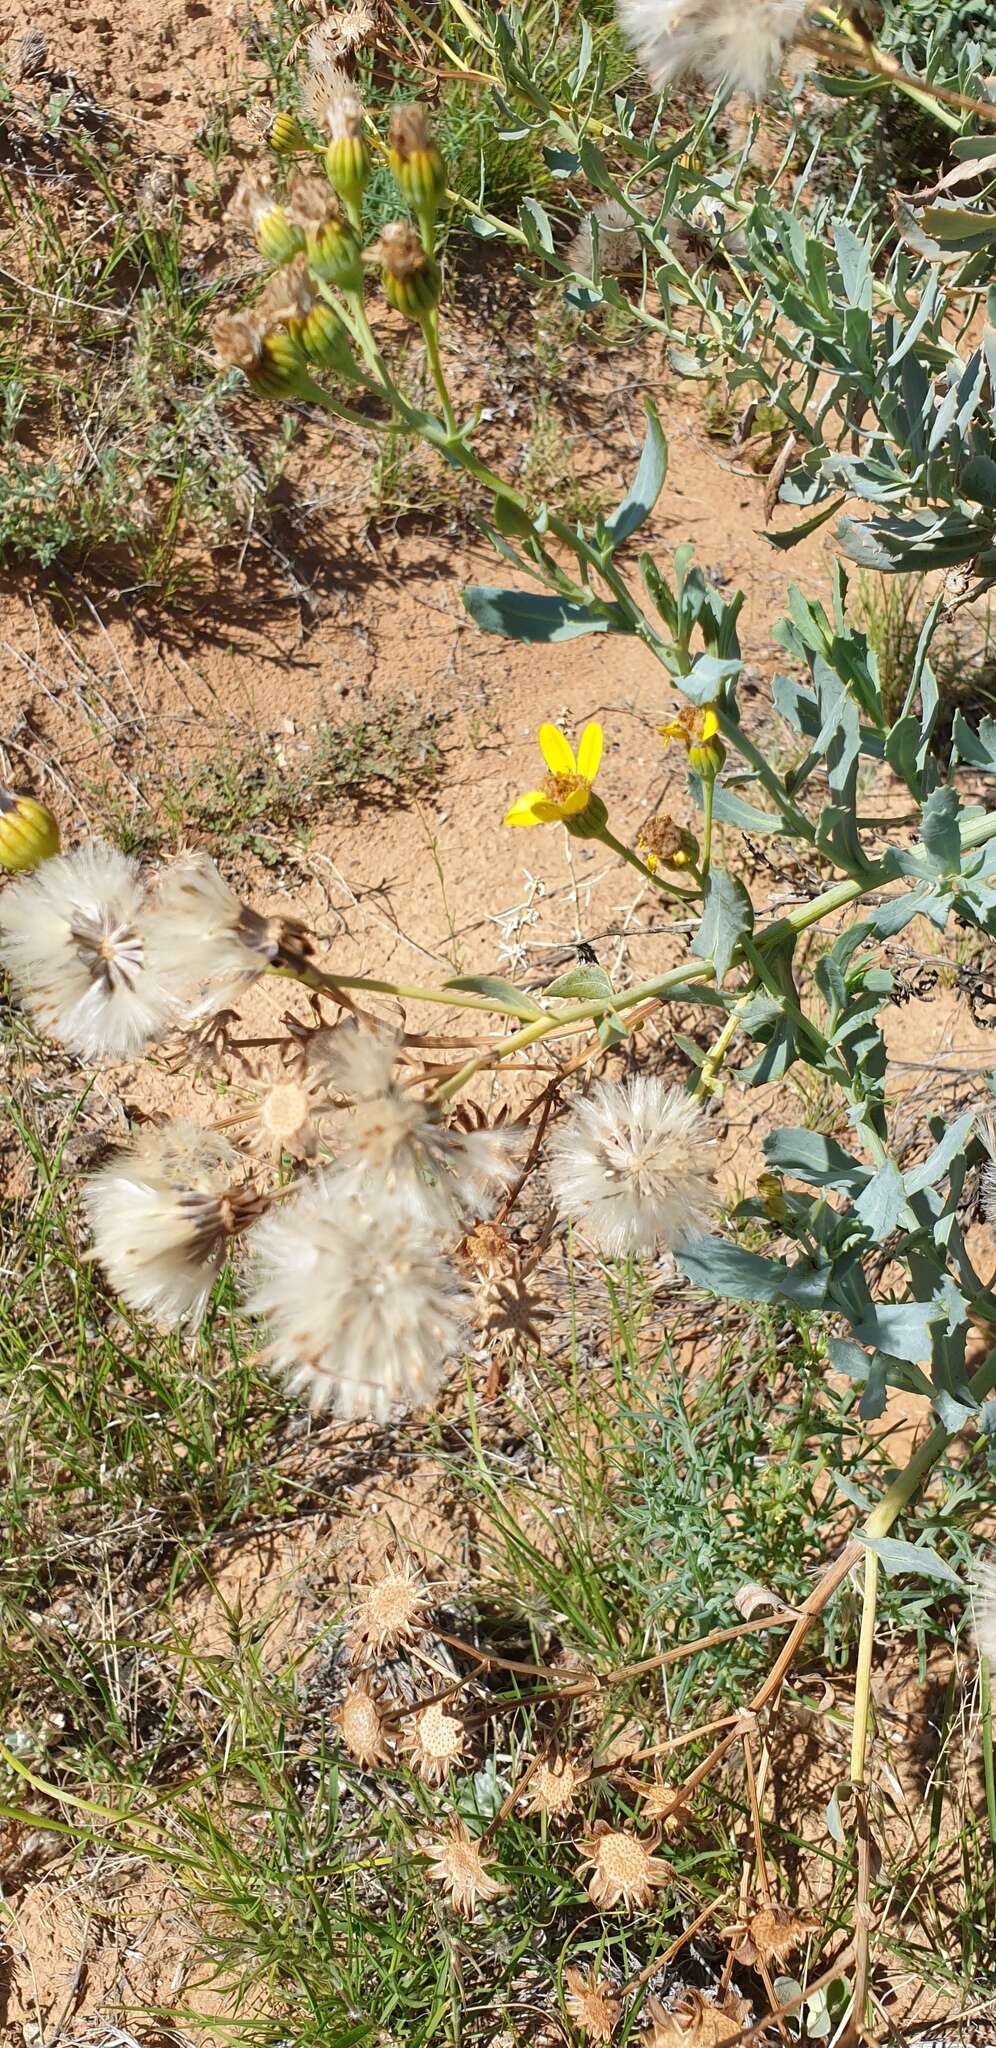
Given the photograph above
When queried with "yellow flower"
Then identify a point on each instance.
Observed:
(694, 724)
(697, 726)
(567, 788)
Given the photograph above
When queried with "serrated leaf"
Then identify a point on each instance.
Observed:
(882, 1205)
(586, 984)
(728, 917)
(505, 996)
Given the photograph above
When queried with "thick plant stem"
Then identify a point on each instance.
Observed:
(906, 1484)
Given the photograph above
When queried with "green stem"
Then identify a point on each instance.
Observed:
(577, 1013)
(430, 335)
(879, 1522)
(607, 838)
(708, 797)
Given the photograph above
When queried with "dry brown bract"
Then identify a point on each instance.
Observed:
(359, 1723)
(436, 1742)
(593, 2004)
(773, 1934)
(556, 1782)
(624, 1871)
(661, 1803)
(697, 2022)
(457, 1864)
(392, 1610)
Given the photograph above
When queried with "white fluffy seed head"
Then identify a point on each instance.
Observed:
(741, 44)
(205, 945)
(363, 1310)
(160, 1221)
(632, 1165)
(394, 1146)
(73, 937)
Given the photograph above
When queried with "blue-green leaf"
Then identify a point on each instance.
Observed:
(724, 1269)
(816, 1159)
(647, 485)
(506, 997)
(583, 984)
(728, 917)
(521, 615)
(910, 1560)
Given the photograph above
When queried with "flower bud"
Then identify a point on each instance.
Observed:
(706, 758)
(287, 136)
(282, 366)
(324, 339)
(334, 256)
(28, 833)
(415, 161)
(256, 208)
(347, 167)
(410, 278)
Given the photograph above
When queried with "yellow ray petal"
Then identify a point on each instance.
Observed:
(569, 806)
(557, 752)
(590, 751)
(710, 722)
(531, 809)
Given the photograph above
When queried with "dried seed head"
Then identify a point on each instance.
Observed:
(311, 203)
(624, 1870)
(362, 1729)
(662, 841)
(399, 251)
(284, 1123)
(593, 2003)
(695, 2022)
(161, 1215)
(489, 1251)
(713, 40)
(631, 1163)
(74, 937)
(663, 1805)
(774, 1933)
(238, 342)
(556, 1782)
(436, 1743)
(458, 1865)
(392, 1610)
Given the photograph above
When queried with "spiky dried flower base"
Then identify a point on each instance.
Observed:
(392, 1611)
(361, 1726)
(696, 2021)
(435, 1742)
(623, 1870)
(457, 1864)
(555, 1783)
(593, 2003)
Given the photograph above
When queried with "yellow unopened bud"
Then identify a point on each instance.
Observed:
(281, 367)
(347, 167)
(334, 256)
(28, 833)
(323, 338)
(411, 278)
(706, 758)
(287, 136)
(416, 164)
(278, 238)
